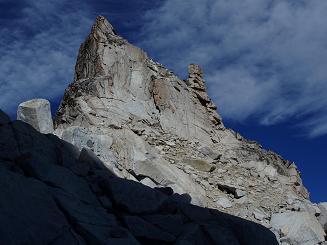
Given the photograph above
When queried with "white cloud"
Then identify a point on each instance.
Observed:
(264, 59)
(38, 51)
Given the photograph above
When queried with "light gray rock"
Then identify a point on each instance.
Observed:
(270, 171)
(239, 193)
(200, 164)
(99, 143)
(242, 200)
(148, 182)
(37, 113)
(307, 206)
(224, 202)
(210, 153)
(134, 155)
(301, 227)
(160, 171)
(121, 80)
(323, 215)
(259, 214)
(262, 168)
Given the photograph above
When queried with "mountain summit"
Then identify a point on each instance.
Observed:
(155, 125)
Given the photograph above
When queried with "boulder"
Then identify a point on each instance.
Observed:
(199, 164)
(239, 193)
(259, 214)
(36, 112)
(224, 202)
(298, 228)
(148, 182)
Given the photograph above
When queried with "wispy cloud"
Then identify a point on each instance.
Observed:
(38, 48)
(264, 59)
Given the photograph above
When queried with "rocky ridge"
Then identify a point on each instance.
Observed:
(149, 126)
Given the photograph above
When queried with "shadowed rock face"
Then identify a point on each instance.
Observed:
(3, 118)
(51, 193)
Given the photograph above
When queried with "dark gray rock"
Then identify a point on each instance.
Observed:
(147, 231)
(4, 118)
(87, 156)
(126, 193)
(28, 212)
(193, 234)
(171, 223)
(82, 212)
(228, 229)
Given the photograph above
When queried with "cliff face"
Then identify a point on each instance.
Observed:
(116, 83)
(149, 126)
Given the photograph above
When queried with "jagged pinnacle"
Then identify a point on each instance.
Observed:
(89, 61)
(102, 26)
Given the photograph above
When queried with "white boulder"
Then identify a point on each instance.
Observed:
(302, 228)
(37, 113)
(224, 202)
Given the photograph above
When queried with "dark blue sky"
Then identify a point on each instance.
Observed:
(265, 62)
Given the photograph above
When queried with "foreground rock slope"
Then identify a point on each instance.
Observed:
(52, 193)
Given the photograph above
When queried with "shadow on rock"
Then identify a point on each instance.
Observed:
(53, 194)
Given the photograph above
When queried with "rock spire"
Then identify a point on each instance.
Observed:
(149, 126)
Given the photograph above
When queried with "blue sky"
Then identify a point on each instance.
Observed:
(265, 61)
